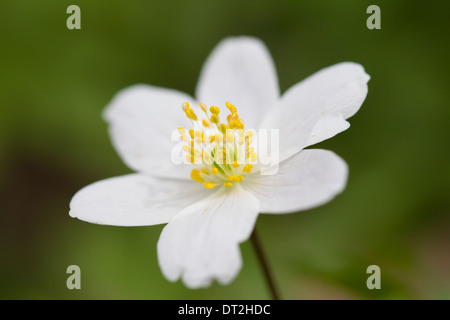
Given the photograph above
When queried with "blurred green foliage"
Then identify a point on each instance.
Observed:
(55, 82)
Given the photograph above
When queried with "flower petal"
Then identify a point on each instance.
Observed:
(308, 179)
(202, 242)
(240, 70)
(134, 200)
(315, 109)
(142, 120)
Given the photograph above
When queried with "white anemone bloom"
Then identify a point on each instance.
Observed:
(211, 203)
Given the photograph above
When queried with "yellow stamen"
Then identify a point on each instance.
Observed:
(214, 118)
(209, 185)
(205, 123)
(204, 108)
(214, 110)
(195, 175)
(214, 171)
(247, 168)
(234, 178)
(191, 114)
(228, 184)
(231, 107)
(223, 128)
(235, 164)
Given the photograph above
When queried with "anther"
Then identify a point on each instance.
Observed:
(209, 184)
(214, 110)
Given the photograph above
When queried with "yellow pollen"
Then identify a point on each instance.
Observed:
(185, 106)
(205, 123)
(214, 118)
(209, 184)
(231, 107)
(214, 171)
(234, 178)
(214, 110)
(228, 184)
(235, 164)
(223, 128)
(191, 114)
(247, 168)
(195, 175)
(204, 108)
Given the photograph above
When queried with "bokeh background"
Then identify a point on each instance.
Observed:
(55, 82)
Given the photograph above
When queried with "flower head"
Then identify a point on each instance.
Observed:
(211, 200)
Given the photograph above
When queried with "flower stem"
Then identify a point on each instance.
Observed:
(264, 264)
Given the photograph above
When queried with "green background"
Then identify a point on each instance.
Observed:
(55, 82)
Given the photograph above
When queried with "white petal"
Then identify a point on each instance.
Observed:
(308, 179)
(134, 200)
(240, 70)
(202, 242)
(316, 108)
(142, 119)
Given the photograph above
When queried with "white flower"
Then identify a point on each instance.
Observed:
(211, 208)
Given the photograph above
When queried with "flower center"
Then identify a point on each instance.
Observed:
(221, 153)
